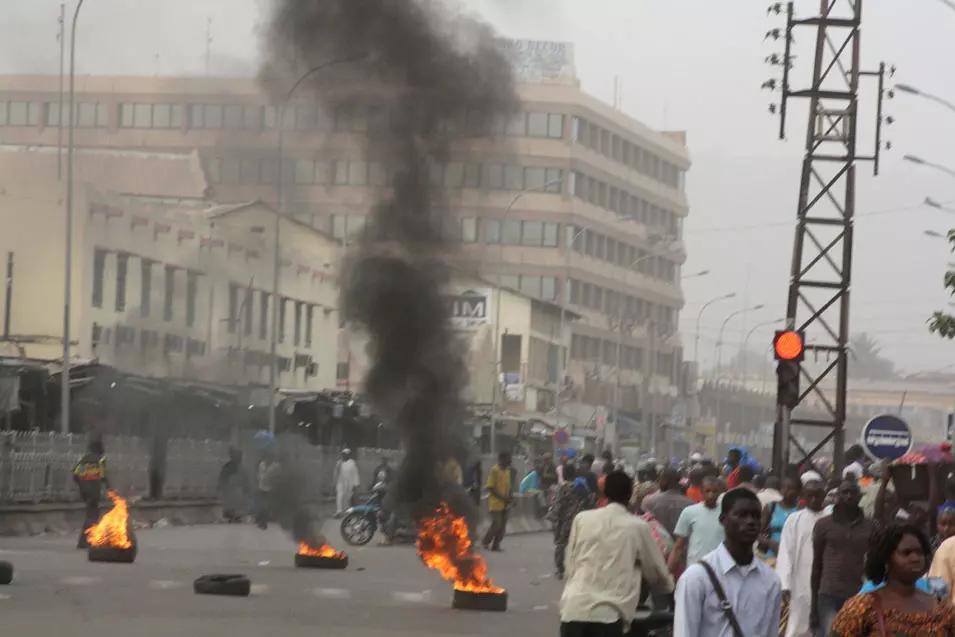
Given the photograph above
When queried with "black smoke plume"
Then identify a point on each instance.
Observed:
(444, 78)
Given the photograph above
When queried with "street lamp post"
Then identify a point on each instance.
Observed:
(564, 293)
(905, 88)
(746, 342)
(699, 318)
(497, 395)
(718, 354)
(918, 160)
(68, 271)
(276, 244)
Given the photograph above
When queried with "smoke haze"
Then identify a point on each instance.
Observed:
(436, 70)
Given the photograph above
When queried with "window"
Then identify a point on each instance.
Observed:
(85, 115)
(341, 173)
(534, 177)
(233, 307)
(555, 125)
(469, 230)
(454, 175)
(263, 315)
(537, 124)
(512, 233)
(282, 303)
(309, 320)
(548, 288)
(233, 116)
(206, 115)
(472, 175)
(551, 230)
(492, 231)
(99, 267)
(357, 173)
(145, 286)
(304, 171)
(248, 311)
(122, 270)
(251, 117)
(517, 126)
(170, 293)
(20, 114)
(513, 177)
(494, 176)
(192, 284)
(341, 371)
(338, 226)
(531, 286)
(533, 234)
(299, 307)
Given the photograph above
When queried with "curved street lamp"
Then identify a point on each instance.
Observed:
(746, 341)
(498, 364)
(277, 258)
(918, 160)
(718, 355)
(911, 90)
(699, 317)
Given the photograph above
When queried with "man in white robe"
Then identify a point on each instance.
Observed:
(346, 481)
(794, 563)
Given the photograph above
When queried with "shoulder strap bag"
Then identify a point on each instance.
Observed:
(724, 603)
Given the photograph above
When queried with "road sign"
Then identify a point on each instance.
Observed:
(950, 429)
(886, 437)
(561, 437)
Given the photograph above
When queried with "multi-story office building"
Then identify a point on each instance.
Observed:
(572, 202)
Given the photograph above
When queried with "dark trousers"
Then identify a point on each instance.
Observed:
(829, 607)
(90, 519)
(591, 629)
(495, 532)
(263, 509)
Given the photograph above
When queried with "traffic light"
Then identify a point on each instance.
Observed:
(789, 348)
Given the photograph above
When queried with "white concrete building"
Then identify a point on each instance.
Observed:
(164, 286)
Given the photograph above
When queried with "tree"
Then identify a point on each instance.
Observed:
(866, 360)
(942, 323)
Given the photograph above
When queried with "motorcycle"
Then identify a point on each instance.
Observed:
(362, 521)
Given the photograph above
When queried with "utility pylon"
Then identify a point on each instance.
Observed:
(821, 274)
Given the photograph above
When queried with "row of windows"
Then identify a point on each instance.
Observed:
(613, 303)
(605, 248)
(148, 340)
(242, 309)
(524, 233)
(538, 287)
(254, 117)
(587, 348)
(615, 147)
(623, 203)
(256, 171)
(145, 286)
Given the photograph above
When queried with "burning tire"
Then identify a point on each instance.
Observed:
(231, 585)
(112, 554)
(314, 561)
(6, 573)
(464, 600)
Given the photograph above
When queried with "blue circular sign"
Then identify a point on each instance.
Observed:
(886, 437)
(561, 437)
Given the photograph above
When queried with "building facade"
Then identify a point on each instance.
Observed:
(168, 287)
(571, 202)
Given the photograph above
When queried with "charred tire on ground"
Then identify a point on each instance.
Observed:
(6, 573)
(314, 561)
(464, 600)
(111, 554)
(230, 585)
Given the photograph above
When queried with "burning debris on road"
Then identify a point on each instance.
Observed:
(111, 539)
(444, 544)
(322, 557)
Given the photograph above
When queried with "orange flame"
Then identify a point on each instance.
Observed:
(323, 551)
(112, 529)
(444, 544)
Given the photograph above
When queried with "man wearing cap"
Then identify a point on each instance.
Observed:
(346, 482)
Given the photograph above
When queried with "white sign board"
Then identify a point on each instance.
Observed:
(537, 61)
(470, 308)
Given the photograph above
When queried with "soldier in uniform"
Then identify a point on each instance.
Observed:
(90, 476)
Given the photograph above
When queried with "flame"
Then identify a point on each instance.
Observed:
(323, 551)
(444, 544)
(112, 529)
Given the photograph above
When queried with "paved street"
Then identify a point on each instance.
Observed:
(385, 591)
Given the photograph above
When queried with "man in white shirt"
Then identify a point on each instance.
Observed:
(750, 587)
(794, 564)
(609, 553)
(699, 529)
(346, 479)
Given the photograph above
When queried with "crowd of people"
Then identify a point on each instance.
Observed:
(734, 551)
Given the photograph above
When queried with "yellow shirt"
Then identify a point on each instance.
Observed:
(498, 481)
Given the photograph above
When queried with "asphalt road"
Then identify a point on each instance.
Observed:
(386, 591)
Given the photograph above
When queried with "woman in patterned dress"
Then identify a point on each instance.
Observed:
(899, 557)
(572, 497)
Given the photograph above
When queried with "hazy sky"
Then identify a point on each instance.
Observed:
(683, 64)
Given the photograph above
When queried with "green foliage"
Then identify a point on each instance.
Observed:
(942, 323)
(866, 360)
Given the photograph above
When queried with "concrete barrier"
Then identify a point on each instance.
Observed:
(65, 518)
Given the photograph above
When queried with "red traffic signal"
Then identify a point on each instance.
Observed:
(789, 345)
